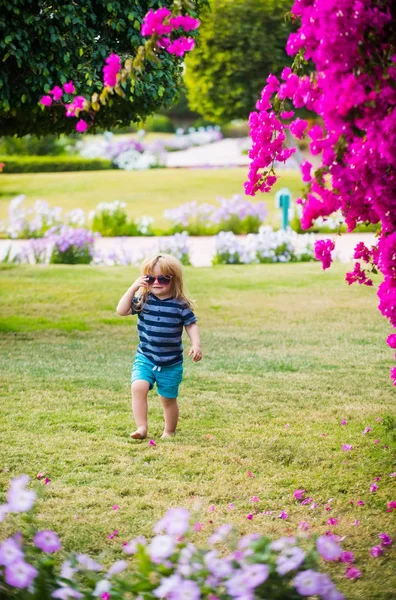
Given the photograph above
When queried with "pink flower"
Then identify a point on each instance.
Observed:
(56, 92)
(386, 540)
(198, 526)
(392, 474)
(305, 168)
(347, 557)
(47, 480)
(298, 494)
(40, 475)
(352, 573)
(376, 441)
(185, 22)
(332, 521)
(267, 512)
(347, 447)
(391, 506)
(360, 503)
(391, 341)
(231, 506)
(69, 88)
(111, 70)
(115, 507)
(306, 501)
(344, 422)
(153, 22)
(298, 127)
(356, 523)
(180, 46)
(254, 499)
(152, 443)
(81, 126)
(303, 525)
(249, 516)
(212, 508)
(323, 250)
(283, 515)
(46, 101)
(376, 551)
(250, 474)
(286, 426)
(379, 419)
(373, 488)
(47, 541)
(113, 534)
(366, 430)
(105, 596)
(287, 114)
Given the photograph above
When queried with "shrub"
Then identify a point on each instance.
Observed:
(47, 164)
(70, 246)
(32, 145)
(158, 124)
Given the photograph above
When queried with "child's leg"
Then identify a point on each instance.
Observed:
(140, 389)
(171, 415)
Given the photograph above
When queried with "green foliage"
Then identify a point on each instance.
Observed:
(74, 255)
(37, 146)
(47, 164)
(158, 124)
(240, 43)
(45, 44)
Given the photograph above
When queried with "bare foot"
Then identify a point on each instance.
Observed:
(139, 434)
(168, 434)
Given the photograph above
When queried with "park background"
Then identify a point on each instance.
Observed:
(290, 351)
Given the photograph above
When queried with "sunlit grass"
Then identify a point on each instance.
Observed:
(283, 345)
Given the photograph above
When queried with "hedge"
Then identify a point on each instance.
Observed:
(45, 164)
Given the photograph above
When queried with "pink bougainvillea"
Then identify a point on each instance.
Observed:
(353, 89)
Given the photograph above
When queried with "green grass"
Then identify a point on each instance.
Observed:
(145, 193)
(283, 344)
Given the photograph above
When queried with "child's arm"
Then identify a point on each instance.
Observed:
(124, 306)
(193, 334)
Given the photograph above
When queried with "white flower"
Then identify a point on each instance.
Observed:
(102, 587)
(162, 546)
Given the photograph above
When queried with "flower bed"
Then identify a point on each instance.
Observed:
(268, 246)
(170, 565)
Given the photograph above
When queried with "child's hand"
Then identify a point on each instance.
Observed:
(195, 353)
(140, 282)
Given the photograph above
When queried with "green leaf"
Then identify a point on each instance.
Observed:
(8, 39)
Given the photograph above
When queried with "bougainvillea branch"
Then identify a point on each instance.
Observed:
(163, 28)
(351, 46)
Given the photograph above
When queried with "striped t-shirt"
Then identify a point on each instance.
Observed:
(160, 328)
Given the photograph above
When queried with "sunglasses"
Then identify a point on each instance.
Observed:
(162, 279)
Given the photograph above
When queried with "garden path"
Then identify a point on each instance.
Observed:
(224, 153)
(202, 249)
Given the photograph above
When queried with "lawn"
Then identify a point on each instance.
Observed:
(289, 351)
(145, 192)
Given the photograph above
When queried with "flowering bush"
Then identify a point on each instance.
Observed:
(352, 89)
(70, 246)
(176, 245)
(35, 221)
(169, 566)
(237, 215)
(267, 246)
(129, 155)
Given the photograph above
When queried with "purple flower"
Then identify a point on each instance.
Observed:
(347, 447)
(20, 499)
(283, 515)
(303, 525)
(186, 590)
(366, 430)
(386, 540)
(347, 557)
(47, 541)
(298, 494)
(373, 488)
(328, 548)
(10, 551)
(289, 560)
(376, 551)
(162, 546)
(168, 585)
(132, 546)
(20, 574)
(175, 522)
(352, 573)
(308, 583)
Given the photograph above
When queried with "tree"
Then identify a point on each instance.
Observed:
(353, 88)
(44, 44)
(241, 42)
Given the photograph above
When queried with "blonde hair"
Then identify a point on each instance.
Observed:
(170, 266)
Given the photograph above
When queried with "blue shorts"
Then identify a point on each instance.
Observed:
(167, 379)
